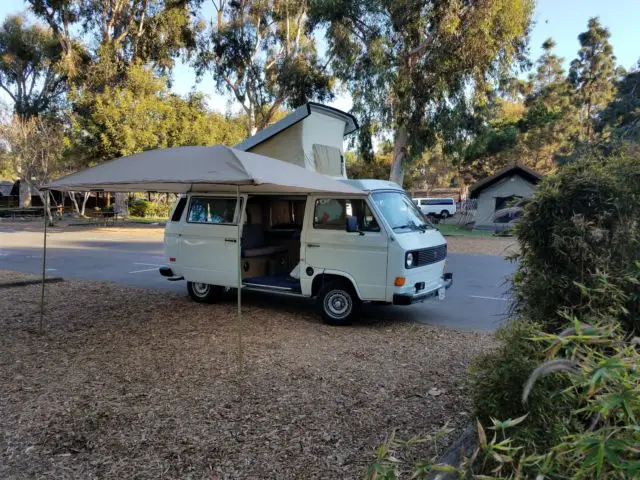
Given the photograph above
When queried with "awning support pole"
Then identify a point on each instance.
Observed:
(239, 284)
(44, 258)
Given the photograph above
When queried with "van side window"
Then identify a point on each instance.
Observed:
(212, 210)
(177, 213)
(331, 214)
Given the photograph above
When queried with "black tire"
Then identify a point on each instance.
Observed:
(444, 214)
(204, 293)
(338, 303)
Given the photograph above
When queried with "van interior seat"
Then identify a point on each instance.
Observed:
(253, 242)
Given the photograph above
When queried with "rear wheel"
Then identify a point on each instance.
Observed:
(204, 292)
(444, 214)
(338, 303)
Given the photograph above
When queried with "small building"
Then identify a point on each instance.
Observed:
(507, 188)
(311, 137)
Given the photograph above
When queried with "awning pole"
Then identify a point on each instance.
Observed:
(44, 258)
(239, 284)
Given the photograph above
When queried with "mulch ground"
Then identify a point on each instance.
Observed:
(128, 383)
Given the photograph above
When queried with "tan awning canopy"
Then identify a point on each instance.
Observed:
(200, 169)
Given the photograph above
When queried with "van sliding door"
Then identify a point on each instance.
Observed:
(210, 242)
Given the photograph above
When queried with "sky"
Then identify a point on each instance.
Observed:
(562, 20)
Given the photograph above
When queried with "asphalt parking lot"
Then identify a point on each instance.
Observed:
(477, 300)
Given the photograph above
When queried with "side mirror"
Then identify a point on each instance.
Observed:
(352, 224)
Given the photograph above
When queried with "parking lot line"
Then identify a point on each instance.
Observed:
(145, 270)
(489, 298)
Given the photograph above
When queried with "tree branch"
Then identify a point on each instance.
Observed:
(13, 97)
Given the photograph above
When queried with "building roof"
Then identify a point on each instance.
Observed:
(297, 116)
(513, 169)
(5, 187)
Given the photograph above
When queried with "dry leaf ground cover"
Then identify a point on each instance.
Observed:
(128, 383)
(499, 246)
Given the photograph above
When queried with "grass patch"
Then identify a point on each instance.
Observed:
(449, 230)
(147, 220)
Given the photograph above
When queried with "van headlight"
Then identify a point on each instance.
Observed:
(409, 260)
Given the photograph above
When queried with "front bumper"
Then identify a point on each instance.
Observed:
(408, 299)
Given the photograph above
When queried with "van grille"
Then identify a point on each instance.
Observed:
(427, 256)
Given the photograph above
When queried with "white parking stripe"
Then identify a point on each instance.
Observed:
(150, 264)
(145, 270)
(489, 298)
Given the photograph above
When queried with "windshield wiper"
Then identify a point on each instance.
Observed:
(412, 226)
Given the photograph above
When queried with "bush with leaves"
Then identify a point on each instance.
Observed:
(139, 208)
(582, 225)
(499, 377)
(602, 441)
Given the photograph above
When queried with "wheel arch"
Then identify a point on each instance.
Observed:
(331, 275)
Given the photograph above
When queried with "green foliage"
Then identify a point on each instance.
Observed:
(499, 378)
(592, 75)
(141, 114)
(264, 55)
(407, 63)
(152, 32)
(600, 365)
(29, 70)
(139, 207)
(621, 118)
(580, 232)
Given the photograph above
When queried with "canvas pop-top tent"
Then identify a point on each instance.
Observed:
(198, 169)
(312, 137)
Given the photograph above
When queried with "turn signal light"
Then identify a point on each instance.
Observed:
(400, 281)
(172, 259)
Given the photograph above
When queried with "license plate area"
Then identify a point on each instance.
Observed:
(442, 293)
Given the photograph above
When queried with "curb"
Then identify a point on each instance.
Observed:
(464, 445)
(25, 283)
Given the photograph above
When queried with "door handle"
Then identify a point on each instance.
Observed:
(312, 245)
(230, 240)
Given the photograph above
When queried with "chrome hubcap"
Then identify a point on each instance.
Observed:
(201, 289)
(338, 304)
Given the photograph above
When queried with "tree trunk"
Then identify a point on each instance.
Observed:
(399, 153)
(74, 200)
(25, 193)
(84, 203)
(47, 211)
(120, 204)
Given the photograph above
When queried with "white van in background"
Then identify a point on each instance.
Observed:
(442, 207)
(340, 249)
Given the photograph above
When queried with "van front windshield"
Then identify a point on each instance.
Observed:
(400, 211)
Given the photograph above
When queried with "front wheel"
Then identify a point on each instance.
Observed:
(204, 292)
(338, 303)
(444, 214)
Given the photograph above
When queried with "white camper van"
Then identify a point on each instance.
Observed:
(340, 249)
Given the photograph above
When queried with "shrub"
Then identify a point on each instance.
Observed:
(601, 366)
(499, 377)
(157, 209)
(582, 225)
(139, 207)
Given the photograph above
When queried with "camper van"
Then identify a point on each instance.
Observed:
(342, 250)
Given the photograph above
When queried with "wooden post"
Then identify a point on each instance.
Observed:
(44, 259)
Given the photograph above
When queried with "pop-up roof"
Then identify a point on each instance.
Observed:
(311, 137)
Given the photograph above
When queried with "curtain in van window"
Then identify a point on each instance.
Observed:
(328, 160)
